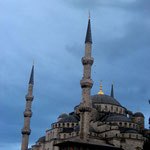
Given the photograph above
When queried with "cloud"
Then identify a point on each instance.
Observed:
(129, 5)
(123, 47)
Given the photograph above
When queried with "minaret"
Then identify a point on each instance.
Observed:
(86, 85)
(112, 90)
(27, 113)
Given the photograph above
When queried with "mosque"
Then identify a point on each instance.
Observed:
(99, 122)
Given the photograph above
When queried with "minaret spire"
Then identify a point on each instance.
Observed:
(86, 85)
(88, 38)
(112, 90)
(28, 113)
(31, 81)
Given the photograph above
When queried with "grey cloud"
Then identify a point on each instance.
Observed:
(128, 5)
(136, 39)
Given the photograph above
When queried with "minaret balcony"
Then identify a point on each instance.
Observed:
(86, 83)
(28, 114)
(84, 108)
(87, 60)
(29, 97)
(26, 131)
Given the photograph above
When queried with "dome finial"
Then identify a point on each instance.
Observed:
(88, 38)
(89, 15)
(138, 110)
(100, 92)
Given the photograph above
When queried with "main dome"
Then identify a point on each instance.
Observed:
(104, 99)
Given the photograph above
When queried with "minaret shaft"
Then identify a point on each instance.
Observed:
(86, 85)
(25, 139)
(27, 114)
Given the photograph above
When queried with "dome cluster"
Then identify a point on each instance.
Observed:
(105, 109)
(108, 118)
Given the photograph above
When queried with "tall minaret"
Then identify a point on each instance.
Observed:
(28, 114)
(86, 85)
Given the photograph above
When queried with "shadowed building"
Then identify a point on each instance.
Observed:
(99, 122)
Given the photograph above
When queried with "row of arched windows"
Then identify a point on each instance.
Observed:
(62, 125)
(110, 108)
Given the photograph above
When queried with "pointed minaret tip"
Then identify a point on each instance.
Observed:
(88, 38)
(112, 89)
(31, 81)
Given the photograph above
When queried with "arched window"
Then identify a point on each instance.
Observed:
(120, 111)
(120, 123)
(68, 125)
(129, 135)
(111, 108)
(125, 124)
(116, 109)
(136, 126)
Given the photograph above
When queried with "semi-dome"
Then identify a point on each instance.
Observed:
(41, 139)
(138, 114)
(72, 118)
(120, 118)
(104, 99)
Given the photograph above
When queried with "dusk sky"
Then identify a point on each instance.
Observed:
(52, 33)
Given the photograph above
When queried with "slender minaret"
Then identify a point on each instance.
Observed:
(28, 114)
(112, 90)
(86, 85)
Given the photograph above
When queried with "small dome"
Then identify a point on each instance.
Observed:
(138, 114)
(41, 139)
(72, 118)
(104, 99)
(63, 115)
(118, 118)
